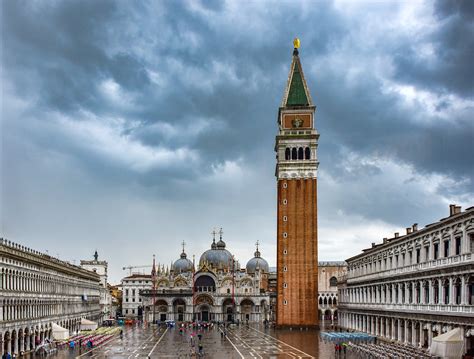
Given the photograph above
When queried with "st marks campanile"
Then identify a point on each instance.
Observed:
(296, 172)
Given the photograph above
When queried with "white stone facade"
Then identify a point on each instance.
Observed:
(328, 274)
(100, 267)
(37, 290)
(411, 288)
(131, 288)
(218, 291)
(176, 300)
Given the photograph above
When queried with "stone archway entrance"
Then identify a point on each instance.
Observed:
(204, 304)
(179, 309)
(247, 308)
(204, 313)
(228, 309)
(161, 308)
(6, 342)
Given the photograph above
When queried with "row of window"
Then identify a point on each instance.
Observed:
(25, 310)
(435, 291)
(328, 301)
(301, 153)
(423, 254)
(133, 299)
(17, 280)
(137, 282)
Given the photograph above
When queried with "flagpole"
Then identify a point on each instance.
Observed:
(153, 279)
(193, 290)
(233, 288)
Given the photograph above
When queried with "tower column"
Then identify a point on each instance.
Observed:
(296, 172)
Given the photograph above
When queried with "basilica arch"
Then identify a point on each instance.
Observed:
(205, 282)
(161, 310)
(247, 308)
(179, 309)
(204, 305)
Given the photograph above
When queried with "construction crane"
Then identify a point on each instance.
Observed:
(133, 267)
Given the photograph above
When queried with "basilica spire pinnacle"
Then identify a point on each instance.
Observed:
(153, 268)
(296, 92)
(213, 245)
(296, 44)
(221, 243)
(183, 253)
(257, 252)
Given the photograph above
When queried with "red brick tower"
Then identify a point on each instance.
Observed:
(296, 172)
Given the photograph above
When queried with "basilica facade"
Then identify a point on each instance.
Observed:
(216, 289)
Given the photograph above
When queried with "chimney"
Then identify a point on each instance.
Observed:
(457, 209)
(414, 227)
(397, 234)
(373, 244)
(385, 240)
(408, 230)
(451, 209)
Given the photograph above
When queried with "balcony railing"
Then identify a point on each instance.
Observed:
(160, 291)
(439, 308)
(433, 264)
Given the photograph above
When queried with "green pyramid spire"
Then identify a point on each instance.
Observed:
(297, 94)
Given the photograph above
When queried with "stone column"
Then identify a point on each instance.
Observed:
(452, 245)
(413, 334)
(392, 328)
(430, 334)
(440, 291)
(430, 291)
(422, 335)
(406, 339)
(399, 336)
(451, 290)
(9, 345)
(422, 293)
(21, 342)
(464, 291)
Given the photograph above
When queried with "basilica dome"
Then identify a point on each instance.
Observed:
(217, 257)
(183, 264)
(257, 263)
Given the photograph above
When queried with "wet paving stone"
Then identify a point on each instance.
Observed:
(254, 342)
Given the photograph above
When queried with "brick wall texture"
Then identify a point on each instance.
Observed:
(297, 254)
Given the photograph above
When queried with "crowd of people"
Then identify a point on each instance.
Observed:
(194, 333)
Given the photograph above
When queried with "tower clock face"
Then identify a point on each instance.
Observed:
(297, 122)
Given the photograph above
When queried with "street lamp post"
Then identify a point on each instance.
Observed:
(233, 289)
(194, 272)
(153, 279)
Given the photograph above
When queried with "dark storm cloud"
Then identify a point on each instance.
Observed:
(373, 123)
(450, 70)
(164, 113)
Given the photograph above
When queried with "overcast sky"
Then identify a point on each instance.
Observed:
(128, 127)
